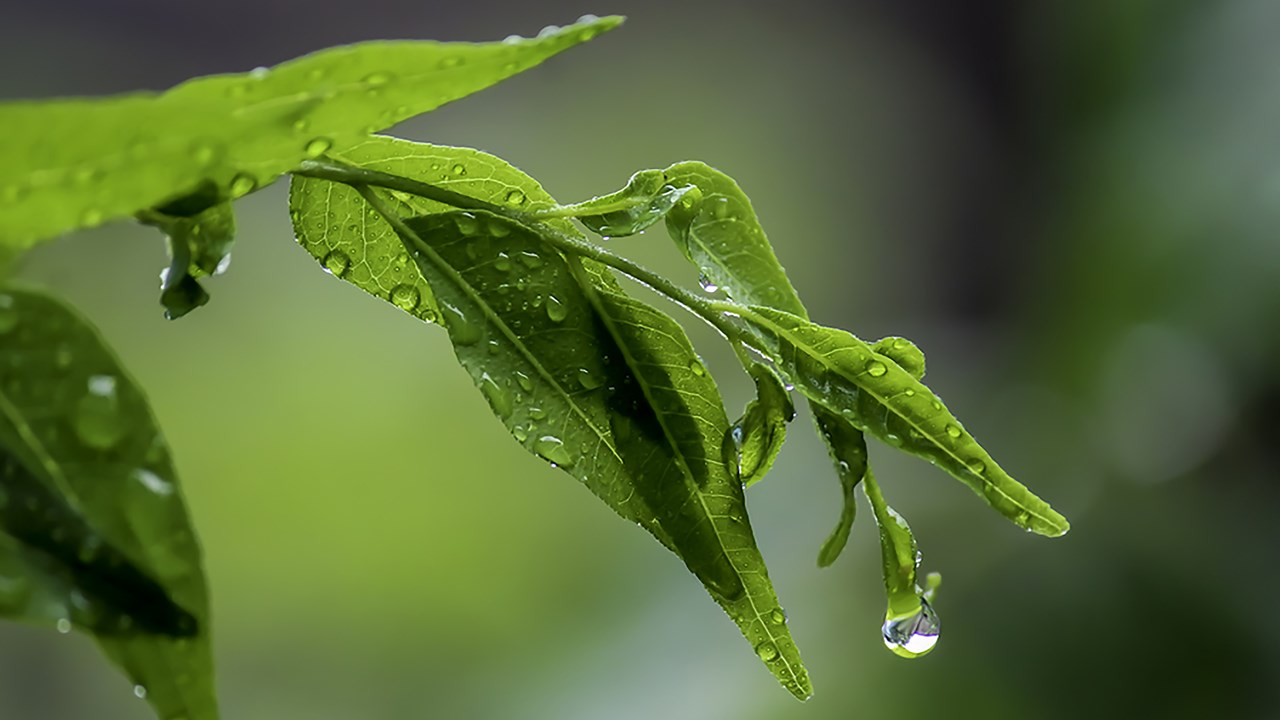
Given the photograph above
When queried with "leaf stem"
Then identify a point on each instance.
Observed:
(713, 312)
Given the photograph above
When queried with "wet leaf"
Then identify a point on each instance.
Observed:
(76, 163)
(840, 372)
(93, 527)
(199, 245)
(644, 201)
(754, 441)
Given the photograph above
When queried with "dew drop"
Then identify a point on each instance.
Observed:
(588, 380)
(552, 448)
(977, 466)
(502, 262)
(461, 329)
(697, 368)
(548, 31)
(318, 146)
(499, 228)
(537, 413)
(242, 184)
(520, 433)
(913, 635)
(406, 297)
(556, 310)
(97, 418)
(204, 154)
(530, 260)
(524, 381)
(767, 651)
(467, 225)
(459, 169)
(336, 263)
(875, 368)
(777, 617)
(64, 625)
(498, 397)
(139, 691)
(377, 79)
(515, 197)
(953, 431)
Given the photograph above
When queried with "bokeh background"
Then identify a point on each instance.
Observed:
(1071, 207)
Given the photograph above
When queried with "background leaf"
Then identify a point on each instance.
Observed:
(842, 373)
(80, 448)
(78, 163)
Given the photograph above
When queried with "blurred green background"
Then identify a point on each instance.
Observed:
(1071, 207)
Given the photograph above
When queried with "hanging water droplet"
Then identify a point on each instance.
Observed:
(912, 635)
(498, 397)
(875, 368)
(406, 297)
(461, 329)
(697, 368)
(318, 146)
(139, 692)
(767, 651)
(97, 418)
(556, 310)
(515, 197)
(553, 450)
(706, 283)
(336, 263)
(242, 184)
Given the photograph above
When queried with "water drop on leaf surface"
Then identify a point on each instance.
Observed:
(552, 448)
(336, 263)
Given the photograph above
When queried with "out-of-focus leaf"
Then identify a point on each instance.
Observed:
(199, 244)
(93, 528)
(678, 415)
(718, 231)
(911, 626)
(80, 162)
(840, 372)
(644, 201)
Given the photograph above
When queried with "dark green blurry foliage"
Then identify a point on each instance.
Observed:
(93, 531)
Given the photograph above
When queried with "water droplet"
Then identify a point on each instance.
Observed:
(498, 397)
(139, 691)
(937, 405)
(548, 30)
(552, 448)
(467, 225)
(530, 260)
(537, 413)
(588, 380)
(707, 284)
(875, 368)
(243, 184)
(318, 146)
(406, 297)
(512, 39)
(459, 170)
(64, 625)
(767, 651)
(697, 368)
(462, 330)
(515, 197)
(556, 310)
(377, 79)
(954, 431)
(720, 208)
(777, 617)
(301, 125)
(97, 418)
(977, 466)
(336, 263)
(524, 381)
(913, 635)
(502, 262)
(520, 433)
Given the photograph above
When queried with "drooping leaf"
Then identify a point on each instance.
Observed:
(718, 231)
(199, 245)
(756, 438)
(834, 369)
(93, 527)
(80, 162)
(911, 626)
(698, 497)
(904, 352)
(644, 201)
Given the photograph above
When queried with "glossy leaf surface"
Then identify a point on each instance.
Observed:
(94, 528)
(80, 162)
(645, 200)
(837, 370)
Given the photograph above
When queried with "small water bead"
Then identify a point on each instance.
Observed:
(777, 617)
(493, 347)
(242, 184)
(553, 450)
(62, 357)
(461, 329)
(498, 397)
(63, 625)
(377, 79)
(537, 413)
(521, 434)
(502, 262)
(913, 635)
(515, 197)
(530, 260)
(875, 368)
(548, 31)
(139, 692)
(97, 420)
(452, 61)
(588, 380)
(697, 368)
(767, 651)
(318, 146)
(556, 310)
(909, 392)
(977, 466)
(467, 225)
(523, 381)
(336, 263)
(406, 297)
(707, 284)
(459, 169)
(954, 431)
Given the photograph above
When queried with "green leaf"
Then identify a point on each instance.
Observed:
(911, 626)
(718, 231)
(199, 245)
(756, 438)
(848, 450)
(644, 201)
(903, 352)
(678, 415)
(80, 162)
(93, 527)
(840, 372)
